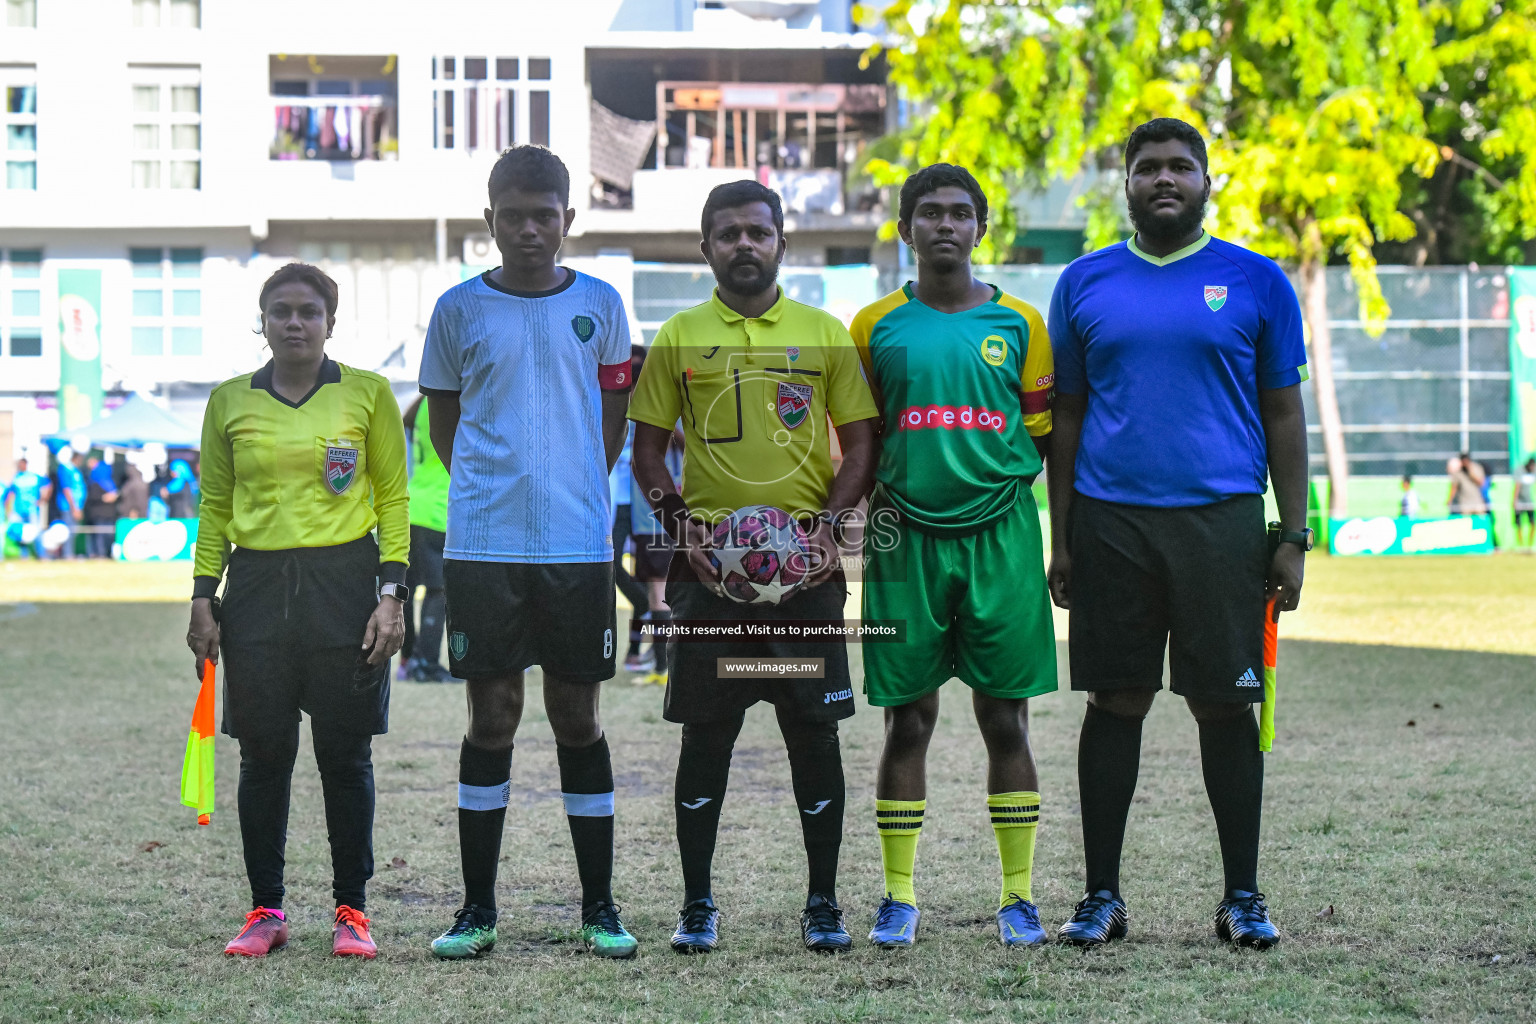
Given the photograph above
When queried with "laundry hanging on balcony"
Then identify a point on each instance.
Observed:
(334, 128)
(618, 145)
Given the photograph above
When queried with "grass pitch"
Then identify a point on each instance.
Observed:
(1398, 794)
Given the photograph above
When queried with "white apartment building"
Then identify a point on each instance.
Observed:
(177, 151)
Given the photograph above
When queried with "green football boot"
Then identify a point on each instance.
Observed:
(604, 934)
(473, 933)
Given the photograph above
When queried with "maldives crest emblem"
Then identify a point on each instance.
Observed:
(793, 351)
(794, 404)
(584, 327)
(340, 468)
(1215, 295)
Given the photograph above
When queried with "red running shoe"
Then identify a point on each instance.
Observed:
(351, 936)
(264, 931)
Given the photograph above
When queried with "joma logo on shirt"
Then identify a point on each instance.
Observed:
(950, 417)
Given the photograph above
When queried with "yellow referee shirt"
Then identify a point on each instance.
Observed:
(755, 398)
(321, 472)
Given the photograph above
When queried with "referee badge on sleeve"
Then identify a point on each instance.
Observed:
(340, 468)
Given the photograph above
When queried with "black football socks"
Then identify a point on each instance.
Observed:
(1234, 780)
(484, 788)
(816, 769)
(586, 786)
(703, 769)
(1108, 761)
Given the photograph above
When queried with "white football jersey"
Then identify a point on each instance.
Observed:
(529, 480)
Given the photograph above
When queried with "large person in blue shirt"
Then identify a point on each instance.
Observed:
(1179, 362)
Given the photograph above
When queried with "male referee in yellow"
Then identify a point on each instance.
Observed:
(755, 378)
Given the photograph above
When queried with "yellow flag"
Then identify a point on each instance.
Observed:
(197, 766)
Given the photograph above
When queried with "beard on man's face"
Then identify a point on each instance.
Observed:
(733, 276)
(1151, 225)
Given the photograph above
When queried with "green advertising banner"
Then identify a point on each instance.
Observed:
(79, 347)
(1522, 365)
(1386, 535)
(146, 540)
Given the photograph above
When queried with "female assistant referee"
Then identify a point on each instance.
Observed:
(301, 460)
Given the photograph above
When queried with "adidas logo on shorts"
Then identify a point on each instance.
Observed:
(1247, 678)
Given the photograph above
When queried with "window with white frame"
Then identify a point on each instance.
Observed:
(20, 87)
(334, 107)
(21, 303)
(167, 309)
(21, 13)
(167, 127)
(477, 109)
(167, 13)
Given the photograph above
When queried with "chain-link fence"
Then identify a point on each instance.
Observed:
(1433, 383)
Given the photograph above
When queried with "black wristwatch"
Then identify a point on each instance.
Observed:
(832, 521)
(399, 591)
(1301, 538)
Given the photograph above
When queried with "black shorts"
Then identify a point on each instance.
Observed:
(291, 628)
(695, 691)
(1526, 515)
(426, 568)
(1188, 579)
(506, 616)
(653, 556)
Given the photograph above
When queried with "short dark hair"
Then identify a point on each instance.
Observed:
(937, 176)
(530, 169)
(1166, 129)
(740, 193)
(308, 274)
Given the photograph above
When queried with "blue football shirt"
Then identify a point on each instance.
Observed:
(1172, 353)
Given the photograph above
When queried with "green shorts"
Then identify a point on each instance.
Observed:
(974, 607)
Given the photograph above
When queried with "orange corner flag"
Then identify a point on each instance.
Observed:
(197, 766)
(1267, 710)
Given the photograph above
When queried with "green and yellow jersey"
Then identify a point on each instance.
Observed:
(316, 473)
(428, 476)
(961, 395)
(755, 398)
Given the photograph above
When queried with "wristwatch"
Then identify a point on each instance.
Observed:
(832, 521)
(399, 591)
(1301, 538)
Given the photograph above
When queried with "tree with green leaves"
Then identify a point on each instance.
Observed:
(1318, 113)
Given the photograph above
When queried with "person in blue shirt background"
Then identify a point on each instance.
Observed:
(68, 496)
(24, 501)
(181, 490)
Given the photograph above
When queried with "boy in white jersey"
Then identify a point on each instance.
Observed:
(527, 376)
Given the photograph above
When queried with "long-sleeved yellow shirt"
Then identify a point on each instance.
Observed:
(320, 472)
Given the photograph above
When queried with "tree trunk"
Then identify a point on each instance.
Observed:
(1314, 309)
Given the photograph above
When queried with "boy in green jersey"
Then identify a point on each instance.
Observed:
(963, 376)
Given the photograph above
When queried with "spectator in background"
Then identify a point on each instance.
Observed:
(428, 489)
(23, 503)
(1525, 505)
(133, 495)
(158, 509)
(68, 496)
(1467, 479)
(181, 491)
(1410, 504)
(101, 496)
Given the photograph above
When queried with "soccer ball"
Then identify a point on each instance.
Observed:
(762, 554)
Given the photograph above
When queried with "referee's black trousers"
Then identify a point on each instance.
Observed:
(345, 760)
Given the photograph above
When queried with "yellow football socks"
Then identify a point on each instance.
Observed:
(1014, 819)
(899, 822)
